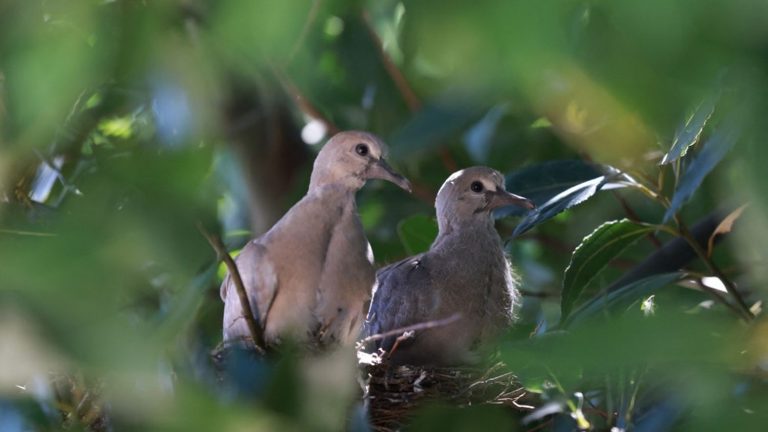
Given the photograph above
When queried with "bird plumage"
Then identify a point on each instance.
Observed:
(464, 272)
(310, 276)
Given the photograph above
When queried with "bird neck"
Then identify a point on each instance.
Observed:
(448, 224)
(460, 233)
(322, 178)
(332, 192)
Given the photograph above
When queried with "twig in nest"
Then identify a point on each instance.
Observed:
(410, 328)
(257, 334)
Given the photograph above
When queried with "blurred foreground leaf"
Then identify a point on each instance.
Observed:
(430, 127)
(619, 300)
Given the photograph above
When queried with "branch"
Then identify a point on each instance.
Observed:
(409, 96)
(304, 30)
(696, 245)
(415, 327)
(405, 89)
(257, 334)
(677, 253)
(302, 102)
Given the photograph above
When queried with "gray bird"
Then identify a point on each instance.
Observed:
(310, 276)
(465, 274)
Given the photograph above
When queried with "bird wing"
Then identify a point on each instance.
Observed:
(260, 282)
(397, 301)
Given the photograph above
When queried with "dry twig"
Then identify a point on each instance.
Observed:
(257, 333)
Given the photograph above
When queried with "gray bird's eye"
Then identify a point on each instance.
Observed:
(476, 186)
(361, 149)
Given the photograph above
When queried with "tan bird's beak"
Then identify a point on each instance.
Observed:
(501, 198)
(381, 170)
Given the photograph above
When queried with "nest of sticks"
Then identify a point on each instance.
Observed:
(393, 394)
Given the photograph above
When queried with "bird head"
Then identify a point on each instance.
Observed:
(353, 157)
(471, 194)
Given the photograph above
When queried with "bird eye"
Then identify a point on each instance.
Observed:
(476, 186)
(361, 149)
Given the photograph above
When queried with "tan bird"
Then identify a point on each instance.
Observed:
(310, 276)
(464, 275)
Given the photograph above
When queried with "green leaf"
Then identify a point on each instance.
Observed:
(417, 233)
(622, 297)
(556, 186)
(593, 255)
(541, 182)
(690, 131)
(431, 127)
(711, 153)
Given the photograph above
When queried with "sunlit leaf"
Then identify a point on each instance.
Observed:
(690, 131)
(711, 153)
(593, 254)
(118, 127)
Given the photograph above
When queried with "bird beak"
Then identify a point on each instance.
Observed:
(381, 170)
(501, 198)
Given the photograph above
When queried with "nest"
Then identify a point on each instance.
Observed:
(392, 394)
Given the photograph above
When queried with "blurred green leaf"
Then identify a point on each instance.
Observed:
(441, 418)
(619, 299)
(593, 254)
(431, 127)
(417, 233)
(690, 131)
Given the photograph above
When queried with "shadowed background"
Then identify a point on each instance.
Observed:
(125, 124)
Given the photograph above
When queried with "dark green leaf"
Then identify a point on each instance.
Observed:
(557, 185)
(539, 183)
(711, 153)
(690, 131)
(622, 297)
(593, 254)
(431, 127)
(479, 137)
(417, 233)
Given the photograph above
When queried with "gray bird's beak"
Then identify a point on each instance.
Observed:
(381, 170)
(501, 198)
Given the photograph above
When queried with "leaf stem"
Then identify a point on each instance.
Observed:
(729, 285)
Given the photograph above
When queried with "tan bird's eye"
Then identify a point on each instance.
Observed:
(361, 149)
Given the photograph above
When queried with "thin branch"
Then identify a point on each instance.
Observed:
(304, 30)
(415, 327)
(257, 334)
(409, 96)
(675, 254)
(718, 296)
(401, 83)
(632, 216)
(729, 285)
(302, 102)
(27, 233)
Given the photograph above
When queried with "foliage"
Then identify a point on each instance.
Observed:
(125, 126)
